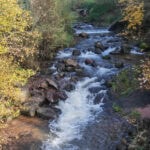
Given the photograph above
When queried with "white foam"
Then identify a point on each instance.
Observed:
(101, 71)
(93, 31)
(63, 54)
(135, 51)
(89, 54)
(108, 51)
(76, 112)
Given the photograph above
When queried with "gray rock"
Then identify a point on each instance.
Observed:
(84, 35)
(76, 52)
(47, 113)
(99, 45)
(69, 87)
(97, 51)
(52, 83)
(90, 62)
(71, 63)
(119, 65)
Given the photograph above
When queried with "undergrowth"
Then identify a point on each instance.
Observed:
(126, 82)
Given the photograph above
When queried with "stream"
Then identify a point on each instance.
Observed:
(87, 121)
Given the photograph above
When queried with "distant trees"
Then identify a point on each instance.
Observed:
(53, 19)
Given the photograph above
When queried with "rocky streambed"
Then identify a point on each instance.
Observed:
(74, 96)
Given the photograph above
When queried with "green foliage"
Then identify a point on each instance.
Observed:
(144, 46)
(126, 81)
(135, 114)
(117, 108)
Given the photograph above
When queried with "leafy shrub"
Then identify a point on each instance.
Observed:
(12, 78)
(125, 82)
(53, 19)
(117, 108)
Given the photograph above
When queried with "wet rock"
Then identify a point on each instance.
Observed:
(60, 67)
(76, 52)
(70, 69)
(50, 96)
(121, 147)
(69, 87)
(37, 100)
(52, 83)
(108, 83)
(29, 109)
(60, 95)
(47, 113)
(119, 65)
(79, 71)
(117, 51)
(71, 63)
(95, 90)
(126, 48)
(99, 98)
(99, 45)
(84, 35)
(107, 57)
(40, 84)
(97, 51)
(90, 62)
(118, 26)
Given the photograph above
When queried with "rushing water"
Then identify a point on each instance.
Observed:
(79, 109)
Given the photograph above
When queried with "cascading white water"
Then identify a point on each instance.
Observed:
(93, 31)
(76, 113)
(108, 51)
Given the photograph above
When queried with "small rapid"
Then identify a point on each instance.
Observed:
(77, 111)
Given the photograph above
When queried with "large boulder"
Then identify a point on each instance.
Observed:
(54, 96)
(48, 112)
(118, 26)
(84, 35)
(69, 87)
(90, 62)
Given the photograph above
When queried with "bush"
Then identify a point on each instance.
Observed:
(53, 19)
(125, 82)
(12, 79)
